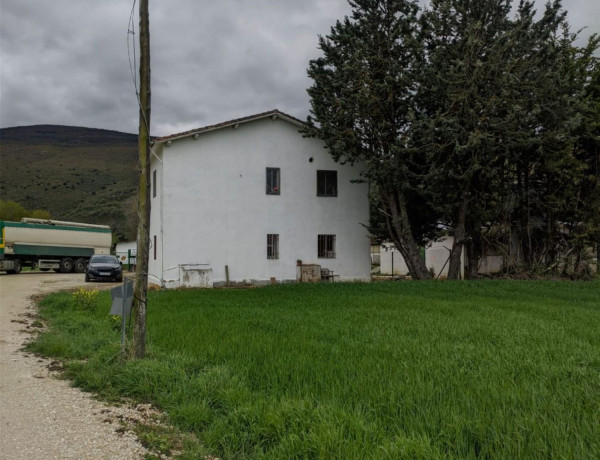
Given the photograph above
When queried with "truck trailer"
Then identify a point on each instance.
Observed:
(51, 244)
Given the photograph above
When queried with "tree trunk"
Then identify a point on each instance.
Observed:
(143, 237)
(459, 239)
(550, 255)
(401, 233)
(474, 251)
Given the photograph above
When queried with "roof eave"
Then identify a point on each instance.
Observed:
(273, 114)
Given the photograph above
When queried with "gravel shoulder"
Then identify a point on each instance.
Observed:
(42, 417)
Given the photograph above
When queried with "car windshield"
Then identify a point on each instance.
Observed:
(104, 260)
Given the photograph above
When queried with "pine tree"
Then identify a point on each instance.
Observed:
(361, 106)
(545, 168)
(463, 112)
(501, 100)
(580, 214)
(467, 117)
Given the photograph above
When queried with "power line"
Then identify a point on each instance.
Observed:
(131, 31)
(133, 65)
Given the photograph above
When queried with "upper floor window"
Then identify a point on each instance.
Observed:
(273, 179)
(326, 183)
(153, 183)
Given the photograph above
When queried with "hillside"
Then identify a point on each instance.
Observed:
(77, 174)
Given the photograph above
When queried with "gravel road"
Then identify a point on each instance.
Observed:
(42, 417)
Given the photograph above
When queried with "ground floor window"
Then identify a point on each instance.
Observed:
(326, 246)
(273, 246)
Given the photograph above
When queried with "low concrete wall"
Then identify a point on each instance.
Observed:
(191, 276)
(391, 261)
(436, 260)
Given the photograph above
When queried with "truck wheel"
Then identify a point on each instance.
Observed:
(17, 268)
(80, 265)
(66, 265)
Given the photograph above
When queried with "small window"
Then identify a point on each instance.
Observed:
(326, 183)
(154, 183)
(326, 246)
(273, 246)
(154, 247)
(273, 186)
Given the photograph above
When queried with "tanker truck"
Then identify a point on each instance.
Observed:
(51, 244)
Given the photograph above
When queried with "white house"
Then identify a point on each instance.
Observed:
(243, 201)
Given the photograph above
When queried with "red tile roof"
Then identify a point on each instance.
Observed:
(271, 113)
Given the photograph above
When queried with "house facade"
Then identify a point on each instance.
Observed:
(242, 202)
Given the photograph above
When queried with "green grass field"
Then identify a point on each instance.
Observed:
(491, 369)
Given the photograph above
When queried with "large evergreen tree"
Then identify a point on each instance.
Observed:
(580, 213)
(545, 165)
(500, 101)
(362, 103)
(548, 100)
(462, 110)
(468, 116)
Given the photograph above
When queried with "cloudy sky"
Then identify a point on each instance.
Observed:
(66, 61)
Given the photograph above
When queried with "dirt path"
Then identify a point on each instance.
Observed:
(42, 417)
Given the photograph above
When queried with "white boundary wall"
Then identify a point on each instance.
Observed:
(436, 259)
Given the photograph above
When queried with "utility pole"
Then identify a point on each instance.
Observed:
(143, 233)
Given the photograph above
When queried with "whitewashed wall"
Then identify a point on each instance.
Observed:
(437, 254)
(122, 250)
(125, 246)
(391, 261)
(436, 259)
(211, 207)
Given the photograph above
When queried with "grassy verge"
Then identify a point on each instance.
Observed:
(493, 369)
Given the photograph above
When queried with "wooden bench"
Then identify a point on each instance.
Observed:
(328, 275)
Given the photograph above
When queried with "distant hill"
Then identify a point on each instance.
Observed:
(77, 174)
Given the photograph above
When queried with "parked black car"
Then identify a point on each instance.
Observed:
(104, 267)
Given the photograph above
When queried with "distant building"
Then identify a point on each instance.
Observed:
(243, 201)
(126, 251)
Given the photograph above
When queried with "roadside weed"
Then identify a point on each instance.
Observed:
(85, 300)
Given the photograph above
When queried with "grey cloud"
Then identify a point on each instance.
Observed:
(66, 62)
